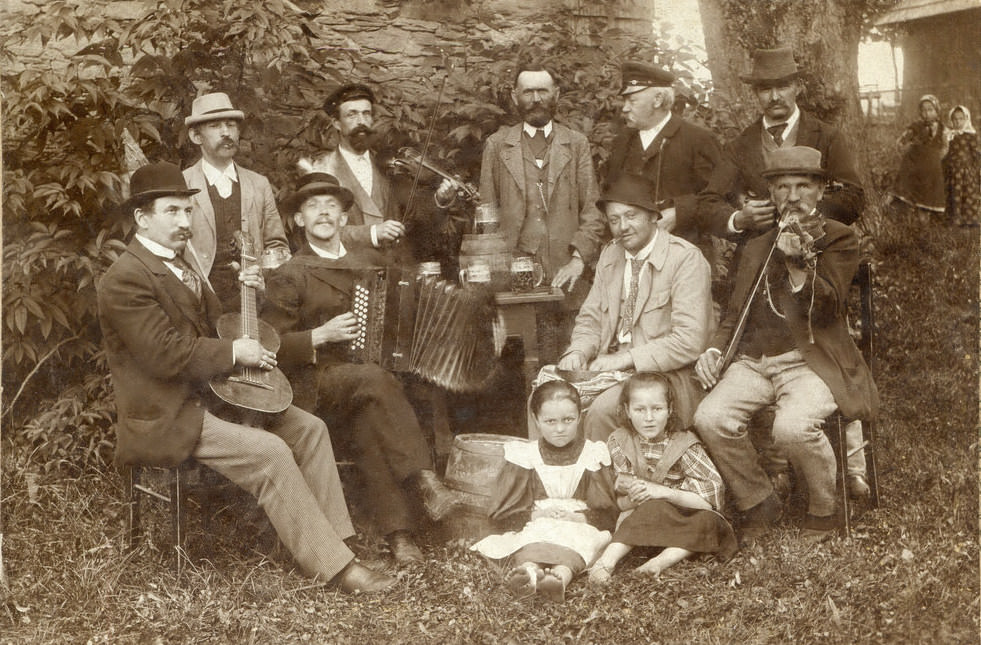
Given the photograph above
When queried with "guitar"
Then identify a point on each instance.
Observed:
(251, 388)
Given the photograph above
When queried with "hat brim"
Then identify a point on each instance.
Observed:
(238, 115)
(798, 170)
(756, 80)
(150, 195)
(294, 201)
(638, 203)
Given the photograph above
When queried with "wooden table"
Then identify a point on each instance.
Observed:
(520, 312)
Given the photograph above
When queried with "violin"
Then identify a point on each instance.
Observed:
(411, 161)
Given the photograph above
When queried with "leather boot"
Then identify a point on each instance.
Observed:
(437, 499)
(357, 578)
(404, 548)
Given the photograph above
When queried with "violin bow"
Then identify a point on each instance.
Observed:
(429, 133)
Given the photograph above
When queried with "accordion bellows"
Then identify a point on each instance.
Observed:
(446, 334)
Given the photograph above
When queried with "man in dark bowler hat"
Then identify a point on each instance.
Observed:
(229, 198)
(158, 318)
(649, 309)
(736, 204)
(380, 218)
(676, 156)
(795, 352)
(308, 301)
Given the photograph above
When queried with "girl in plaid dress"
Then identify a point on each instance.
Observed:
(668, 489)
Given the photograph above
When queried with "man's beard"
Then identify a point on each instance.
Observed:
(538, 115)
(360, 139)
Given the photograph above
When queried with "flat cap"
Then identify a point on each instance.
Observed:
(348, 92)
(637, 76)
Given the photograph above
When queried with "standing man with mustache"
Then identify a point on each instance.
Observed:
(736, 203)
(229, 198)
(539, 174)
(677, 157)
(795, 352)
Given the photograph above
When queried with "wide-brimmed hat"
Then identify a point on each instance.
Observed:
(349, 92)
(211, 107)
(771, 66)
(798, 160)
(636, 76)
(160, 179)
(633, 190)
(318, 183)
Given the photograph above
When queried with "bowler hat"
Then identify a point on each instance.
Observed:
(160, 179)
(772, 65)
(637, 76)
(349, 92)
(211, 107)
(633, 190)
(318, 183)
(798, 160)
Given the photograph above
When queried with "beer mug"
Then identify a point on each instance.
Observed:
(429, 270)
(476, 273)
(273, 257)
(526, 275)
(486, 219)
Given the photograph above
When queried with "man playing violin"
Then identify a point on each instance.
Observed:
(308, 301)
(158, 319)
(793, 351)
(380, 216)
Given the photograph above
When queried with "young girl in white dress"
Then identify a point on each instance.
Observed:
(559, 490)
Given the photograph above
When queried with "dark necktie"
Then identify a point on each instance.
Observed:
(539, 144)
(189, 276)
(776, 131)
(627, 315)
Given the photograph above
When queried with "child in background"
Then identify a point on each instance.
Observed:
(667, 487)
(559, 489)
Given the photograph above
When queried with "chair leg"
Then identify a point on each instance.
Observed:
(131, 479)
(177, 512)
(868, 433)
(843, 477)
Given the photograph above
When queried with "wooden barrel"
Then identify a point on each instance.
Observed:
(472, 468)
(490, 249)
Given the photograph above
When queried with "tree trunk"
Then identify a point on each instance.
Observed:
(824, 35)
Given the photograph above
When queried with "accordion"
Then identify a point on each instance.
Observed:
(446, 334)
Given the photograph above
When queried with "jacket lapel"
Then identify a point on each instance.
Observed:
(656, 259)
(179, 301)
(513, 159)
(249, 192)
(559, 155)
(615, 268)
(668, 131)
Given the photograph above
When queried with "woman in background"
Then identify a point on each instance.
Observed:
(920, 180)
(962, 169)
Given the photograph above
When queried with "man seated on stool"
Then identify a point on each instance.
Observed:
(158, 322)
(795, 351)
(308, 301)
(649, 308)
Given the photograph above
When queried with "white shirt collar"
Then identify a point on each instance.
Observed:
(530, 129)
(791, 121)
(341, 252)
(352, 157)
(648, 135)
(215, 176)
(157, 249)
(646, 251)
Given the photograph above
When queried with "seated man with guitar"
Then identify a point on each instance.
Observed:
(158, 317)
(309, 302)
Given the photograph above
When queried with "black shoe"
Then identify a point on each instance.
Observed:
(437, 499)
(357, 578)
(818, 528)
(404, 549)
(761, 518)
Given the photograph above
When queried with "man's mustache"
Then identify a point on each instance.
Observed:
(362, 130)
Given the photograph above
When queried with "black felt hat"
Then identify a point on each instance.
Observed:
(633, 190)
(318, 183)
(772, 66)
(159, 179)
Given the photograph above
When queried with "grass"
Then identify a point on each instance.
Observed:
(909, 574)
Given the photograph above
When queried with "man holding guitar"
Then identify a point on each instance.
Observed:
(158, 320)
